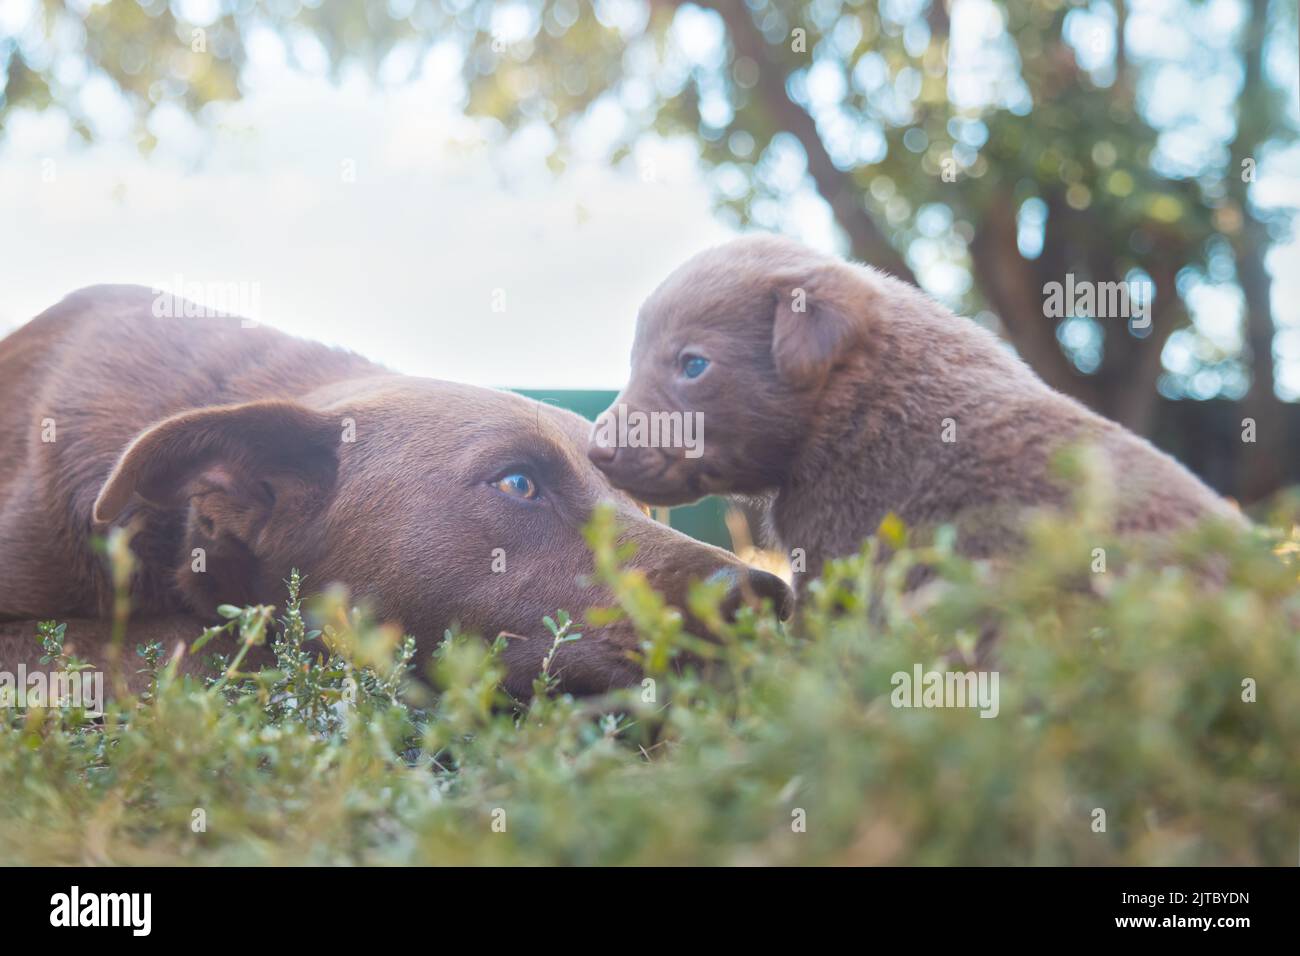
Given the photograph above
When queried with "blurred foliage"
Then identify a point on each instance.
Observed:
(1120, 690)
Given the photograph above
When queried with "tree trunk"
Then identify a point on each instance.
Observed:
(1262, 467)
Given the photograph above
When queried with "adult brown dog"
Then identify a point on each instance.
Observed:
(240, 453)
(848, 394)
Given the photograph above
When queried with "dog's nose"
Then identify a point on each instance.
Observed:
(751, 586)
(769, 586)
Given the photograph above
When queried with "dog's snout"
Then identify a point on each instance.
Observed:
(750, 586)
(766, 585)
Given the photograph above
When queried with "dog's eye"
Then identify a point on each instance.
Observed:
(693, 366)
(517, 484)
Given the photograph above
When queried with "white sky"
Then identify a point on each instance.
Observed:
(401, 265)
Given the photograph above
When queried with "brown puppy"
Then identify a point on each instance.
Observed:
(849, 394)
(240, 452)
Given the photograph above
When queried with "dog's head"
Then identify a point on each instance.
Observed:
(738, 342)
(436, 503)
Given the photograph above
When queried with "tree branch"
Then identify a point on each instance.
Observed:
(868, 242)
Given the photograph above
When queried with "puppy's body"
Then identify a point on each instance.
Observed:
(237, 453)
(877, 441)
(847, 395)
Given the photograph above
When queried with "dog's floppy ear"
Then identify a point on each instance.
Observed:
(238, 453)
(817, 321)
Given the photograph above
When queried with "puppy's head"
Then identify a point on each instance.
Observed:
(731, 353)
(436, 503)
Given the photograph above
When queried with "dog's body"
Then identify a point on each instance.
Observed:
(237, 453)
(847, 394)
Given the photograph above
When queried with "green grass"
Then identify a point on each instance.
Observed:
(1120, 691)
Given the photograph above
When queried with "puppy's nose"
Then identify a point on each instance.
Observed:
(750, 586)
(601, 453)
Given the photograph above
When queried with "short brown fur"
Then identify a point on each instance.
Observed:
(203, 433)
(830, 388)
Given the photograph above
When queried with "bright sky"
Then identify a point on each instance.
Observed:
(403, 265)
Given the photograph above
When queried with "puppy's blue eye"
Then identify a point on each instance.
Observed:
(517, 484)
(693, 366)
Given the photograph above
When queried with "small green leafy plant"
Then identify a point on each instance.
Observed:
(1147, 716)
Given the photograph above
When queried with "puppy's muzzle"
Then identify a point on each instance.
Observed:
(601, 455)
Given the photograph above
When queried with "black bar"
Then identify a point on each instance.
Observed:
(302, 905)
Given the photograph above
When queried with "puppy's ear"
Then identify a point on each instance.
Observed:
(240, 454)
(817, 322)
